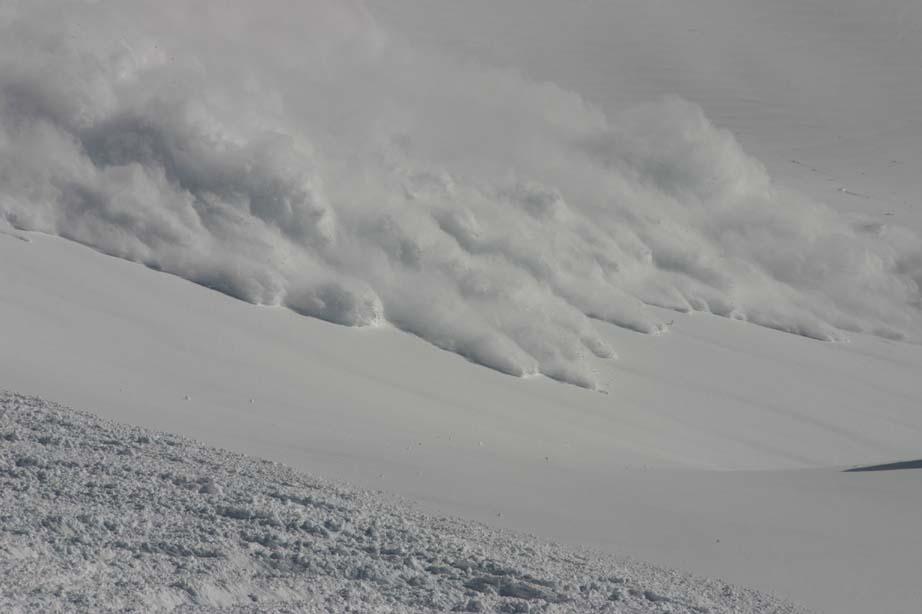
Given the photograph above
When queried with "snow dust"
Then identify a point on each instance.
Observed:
(298, 154)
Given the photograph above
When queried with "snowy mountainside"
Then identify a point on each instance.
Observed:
(342, 173)
(528, 185)
(97, 516)
(626, 473)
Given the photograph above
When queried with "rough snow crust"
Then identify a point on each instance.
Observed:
(299, 154)
(98, 516)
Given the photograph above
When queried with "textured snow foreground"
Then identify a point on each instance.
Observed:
(96, 516)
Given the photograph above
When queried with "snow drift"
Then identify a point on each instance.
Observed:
(297, 154)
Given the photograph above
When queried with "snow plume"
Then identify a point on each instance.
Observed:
(293, 153)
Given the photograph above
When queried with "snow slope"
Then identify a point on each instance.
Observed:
(102, 517)
(630, 473)
(465, 172)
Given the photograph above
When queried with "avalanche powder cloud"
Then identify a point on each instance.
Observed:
(294, 153)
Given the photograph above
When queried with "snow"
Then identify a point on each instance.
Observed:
(490, 214)
(528, 185)
(102, 517)
(823, 92)
(717, 431)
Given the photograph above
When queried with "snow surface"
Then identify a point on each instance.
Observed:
(629, 473)
(98, 516)
(493, 178)
(304, 155)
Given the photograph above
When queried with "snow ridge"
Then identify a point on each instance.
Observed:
(98, 516)
(300, 155)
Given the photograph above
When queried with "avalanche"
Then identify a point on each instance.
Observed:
(303, 155)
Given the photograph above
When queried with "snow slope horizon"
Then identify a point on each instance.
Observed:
(300, 155)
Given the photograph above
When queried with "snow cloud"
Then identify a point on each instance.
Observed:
(295, 153)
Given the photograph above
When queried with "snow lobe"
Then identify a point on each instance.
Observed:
(297, 155)
(101, 517)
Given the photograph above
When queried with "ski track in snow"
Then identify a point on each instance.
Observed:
(98, 516)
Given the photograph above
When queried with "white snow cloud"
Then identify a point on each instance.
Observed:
(294, 153)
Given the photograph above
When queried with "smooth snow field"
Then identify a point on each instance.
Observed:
(640, 278)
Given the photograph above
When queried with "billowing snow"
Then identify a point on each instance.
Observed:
(304, 155)
(97, 516)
